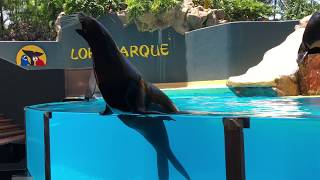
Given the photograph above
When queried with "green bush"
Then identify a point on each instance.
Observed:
(245, 10)
(138, 7)
(94, 8)
(297, 9)
(29, 19)
(206, 3)
(159, 6)
(239, 10)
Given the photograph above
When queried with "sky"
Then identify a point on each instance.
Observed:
(5, 17)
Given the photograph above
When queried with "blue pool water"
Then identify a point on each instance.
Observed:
(217, 102)
(223, 101)
(281, 143)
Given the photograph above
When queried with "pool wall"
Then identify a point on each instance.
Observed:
(282, 149)
(90, 146)
(71, 145)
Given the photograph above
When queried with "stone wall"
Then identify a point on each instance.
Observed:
(184, 18)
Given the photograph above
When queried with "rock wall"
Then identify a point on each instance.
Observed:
(182, 18)
(309, 75)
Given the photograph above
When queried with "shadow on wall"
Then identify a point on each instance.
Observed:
(20, 88)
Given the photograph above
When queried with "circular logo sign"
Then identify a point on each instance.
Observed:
(31, 55)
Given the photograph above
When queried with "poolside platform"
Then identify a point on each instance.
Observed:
(193, 85)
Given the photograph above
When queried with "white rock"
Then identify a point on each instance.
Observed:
(58, 26)
(278, 61)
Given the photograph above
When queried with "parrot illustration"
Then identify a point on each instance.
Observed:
(34, 56)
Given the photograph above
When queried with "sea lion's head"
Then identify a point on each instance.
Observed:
(91, 29)
(311, 36)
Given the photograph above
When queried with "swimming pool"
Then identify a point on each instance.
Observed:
(280, 144)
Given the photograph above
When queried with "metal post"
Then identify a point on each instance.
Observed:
(47, 117)
(234, 146)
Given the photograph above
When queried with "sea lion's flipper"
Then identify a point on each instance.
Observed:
(155, 95)
(136, 97)
(174, 161)
(154, 131)
(163, 166)
(107, 111)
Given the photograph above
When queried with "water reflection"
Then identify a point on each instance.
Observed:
(227, 103)
(223, 104)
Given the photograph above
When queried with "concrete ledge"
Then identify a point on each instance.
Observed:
(193, 85)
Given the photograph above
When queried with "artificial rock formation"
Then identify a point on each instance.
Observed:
(182, 18)
(275, 75)
(58, 26)
(278, 74)
(309, 75)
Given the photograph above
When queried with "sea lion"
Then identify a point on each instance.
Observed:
(123, 87)
(311, 38)
(120, 83)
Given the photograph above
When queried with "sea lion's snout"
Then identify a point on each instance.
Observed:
(87, 24)
(83, 31)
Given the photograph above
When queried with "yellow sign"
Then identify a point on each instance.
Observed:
(31, 55)
(144, 51)
(81, 54)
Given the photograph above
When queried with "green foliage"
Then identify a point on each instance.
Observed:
(137, 8)
(95, 8)
(216, 4)
(29, 20)
(244, 10)
(239, 10)
(297, 9)
(206, 3)
(159, 6)
(34, 19)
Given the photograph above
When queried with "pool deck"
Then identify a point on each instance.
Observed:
(193, 85)
(207, 84)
